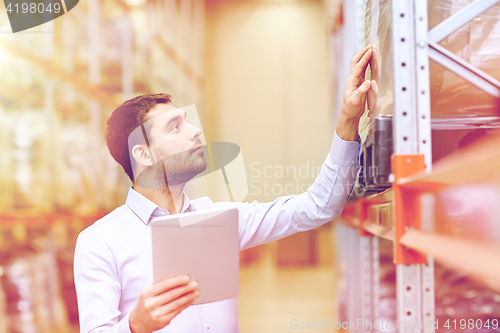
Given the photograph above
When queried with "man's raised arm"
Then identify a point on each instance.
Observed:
(325, 199)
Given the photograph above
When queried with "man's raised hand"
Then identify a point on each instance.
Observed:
(353, 102)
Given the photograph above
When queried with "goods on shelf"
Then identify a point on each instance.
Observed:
(68, 293)
(457, 298)
(6, 164)
(42, 154)
(30, 293)
(451, 96)
(469, 212)
(460, 298)
(450, 213)
(460, 111)
(60, 81)
(3, 308)
(477, 43)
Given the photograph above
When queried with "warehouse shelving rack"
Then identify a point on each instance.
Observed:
(406, 213)
(67, 60)
(49, 54)
(169, 35)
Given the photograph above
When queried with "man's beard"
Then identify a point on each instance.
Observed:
(172, 170)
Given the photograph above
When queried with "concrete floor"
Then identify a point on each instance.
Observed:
(271, 298)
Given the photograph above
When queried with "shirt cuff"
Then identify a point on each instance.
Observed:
(345, 153)
(123, 326)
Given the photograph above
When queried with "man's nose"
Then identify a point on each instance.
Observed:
(196, 132)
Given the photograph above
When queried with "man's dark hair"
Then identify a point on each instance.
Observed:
(124, 120)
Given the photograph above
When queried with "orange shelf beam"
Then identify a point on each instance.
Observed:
(478, 163)
(479, 258)
(380, 231)
(406, 207)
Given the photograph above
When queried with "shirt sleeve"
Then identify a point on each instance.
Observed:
(260, 223)
(97, 287)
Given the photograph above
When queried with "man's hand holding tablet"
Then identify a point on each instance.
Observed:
(159, 303)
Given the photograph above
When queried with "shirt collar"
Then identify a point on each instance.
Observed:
(144, 208)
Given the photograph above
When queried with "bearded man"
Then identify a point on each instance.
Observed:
(160, 151)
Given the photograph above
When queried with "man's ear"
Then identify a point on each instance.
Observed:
(142, 156)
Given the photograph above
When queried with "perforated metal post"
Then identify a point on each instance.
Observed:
(370, 282)
(412, 148)
(358, 250)
(423, 86)
(428, 298)
(369, 271)
(405, 134)
(342, 244)
(353, 275)
(427, 204)
(366, 281)
(375, 271)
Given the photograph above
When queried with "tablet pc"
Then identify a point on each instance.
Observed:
(203, 245)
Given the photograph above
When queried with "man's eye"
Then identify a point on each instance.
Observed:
(176, 127)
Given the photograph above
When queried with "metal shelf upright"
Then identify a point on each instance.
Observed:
(406, 213)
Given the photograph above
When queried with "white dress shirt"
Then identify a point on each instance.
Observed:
(113, 259)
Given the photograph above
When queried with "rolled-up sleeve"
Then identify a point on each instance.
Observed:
(98, 288)
(265, 222)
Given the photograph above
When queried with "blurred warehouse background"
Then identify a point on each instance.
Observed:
(260, 74)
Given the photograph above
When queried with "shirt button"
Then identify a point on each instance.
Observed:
(162, 213)
(208, 325)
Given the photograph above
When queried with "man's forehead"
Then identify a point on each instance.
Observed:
(161, 110)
